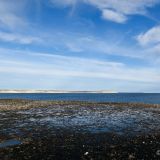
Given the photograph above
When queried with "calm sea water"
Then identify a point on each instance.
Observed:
(153, 98)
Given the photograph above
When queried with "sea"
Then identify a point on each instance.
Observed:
(147, 98)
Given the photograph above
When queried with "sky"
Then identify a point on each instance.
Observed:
(80, 45)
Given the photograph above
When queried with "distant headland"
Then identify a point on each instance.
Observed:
(51, 91)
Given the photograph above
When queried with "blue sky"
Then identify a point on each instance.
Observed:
(80, 45)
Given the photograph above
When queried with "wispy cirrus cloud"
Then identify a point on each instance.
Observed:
(11, 14)
(87, 43)
(114, 10)
(46, 64)
(19, 38)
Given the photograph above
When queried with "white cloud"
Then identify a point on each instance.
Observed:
(18, 38)
(44, 64)
(150, 42)
(127, 7)
(10, 14)
(113, 16)
(116, 10)
(151, 37)
(11, 21)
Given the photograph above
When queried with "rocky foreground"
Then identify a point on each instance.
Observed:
(78, 130)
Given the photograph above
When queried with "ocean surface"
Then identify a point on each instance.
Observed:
(151, 98)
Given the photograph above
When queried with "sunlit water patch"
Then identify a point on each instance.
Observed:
(120, 120)
(9, 143)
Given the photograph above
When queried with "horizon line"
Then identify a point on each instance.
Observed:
(63, 91)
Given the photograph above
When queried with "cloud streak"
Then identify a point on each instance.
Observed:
(114, 10)
(10, 14)
(45, 64)
(18, 38)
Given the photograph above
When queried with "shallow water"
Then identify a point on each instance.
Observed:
(152, 98)
(72, 130)
(93, 119)
(9, 143)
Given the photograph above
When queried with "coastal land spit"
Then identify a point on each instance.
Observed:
(51, 91)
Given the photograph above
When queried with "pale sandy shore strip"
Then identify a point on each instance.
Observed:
(54, 91)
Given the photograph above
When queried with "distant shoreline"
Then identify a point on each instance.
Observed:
(54, 91)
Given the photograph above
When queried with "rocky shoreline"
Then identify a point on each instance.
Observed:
(78, 130)
(22, 104)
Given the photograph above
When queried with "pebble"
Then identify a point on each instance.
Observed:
(131, 156)
(86, 153)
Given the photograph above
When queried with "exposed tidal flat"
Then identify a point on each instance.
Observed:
(32, 129)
